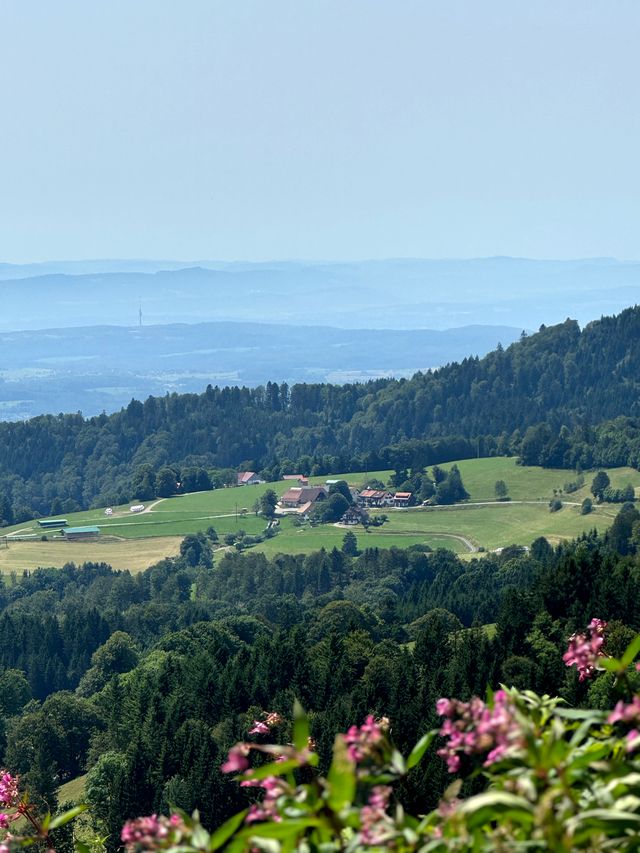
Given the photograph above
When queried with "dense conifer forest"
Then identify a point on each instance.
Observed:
(549, 398)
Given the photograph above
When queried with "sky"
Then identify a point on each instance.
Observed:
(319, 129)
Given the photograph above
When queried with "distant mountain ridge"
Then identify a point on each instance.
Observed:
(393, 294)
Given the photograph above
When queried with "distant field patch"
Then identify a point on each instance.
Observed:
(135, 555)
(529, 483)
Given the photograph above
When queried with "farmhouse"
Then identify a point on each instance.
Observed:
(302, 498)
(300, 479)
(355, 515)
(248, 478)
(402, 498)
(375, 497)
(74, 533)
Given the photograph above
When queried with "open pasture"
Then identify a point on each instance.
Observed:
(530, 483)
(128, 554)
(136, 541)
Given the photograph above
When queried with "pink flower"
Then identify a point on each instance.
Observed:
(4, 821)
(268, 808)
(8, 789)
(363, 740)
(271, 719)
(473, 728)
(237, 759)
(633, 740)
(444, 707)
(638, 666)
(625, 713)
(376, 826)
(585, 650)
(150, 833)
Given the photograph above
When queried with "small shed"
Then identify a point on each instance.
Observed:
(52, 522)
(74, 533)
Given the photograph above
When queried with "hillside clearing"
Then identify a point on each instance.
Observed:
(135, 541)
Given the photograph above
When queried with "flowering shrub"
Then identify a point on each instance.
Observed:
(558, 779)
(16, 810)
(585, 650)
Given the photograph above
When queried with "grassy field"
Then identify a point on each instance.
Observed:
(73, 791)
(529, 483)
(137, 541)
(127, 554)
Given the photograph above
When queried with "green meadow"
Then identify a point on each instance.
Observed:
(137, 540)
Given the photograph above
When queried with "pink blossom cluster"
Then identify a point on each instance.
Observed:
(149, 833)
(8, 789)
(474, 728)
(362, 741)
(268, 808)
(629, 713)
(626, 713)
(376, 826)
(237, 760)
(263, 727)
(585, 649)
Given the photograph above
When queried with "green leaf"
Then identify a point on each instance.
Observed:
(81, 847)
(398, 764)
(341, 778)
(275, 768)
(418, 751)
(300, 727)
(631, 651)
(65, 817)
(580, 714)
(200, 838)
(611, 664)
(595, 752)
(608, 820)
(224, 832)
(283, 829)
(494, 805)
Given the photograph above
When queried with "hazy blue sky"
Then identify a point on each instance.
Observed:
(249, 129)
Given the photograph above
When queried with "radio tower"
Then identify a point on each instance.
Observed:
(140, 315)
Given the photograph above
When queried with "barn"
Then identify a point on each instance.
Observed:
(75, 533)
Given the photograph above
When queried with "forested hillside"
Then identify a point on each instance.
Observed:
(147, 681)
(562, 378)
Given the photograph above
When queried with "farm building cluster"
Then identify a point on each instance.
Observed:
(300, 499)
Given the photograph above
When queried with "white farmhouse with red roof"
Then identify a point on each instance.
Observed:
(248, 478)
